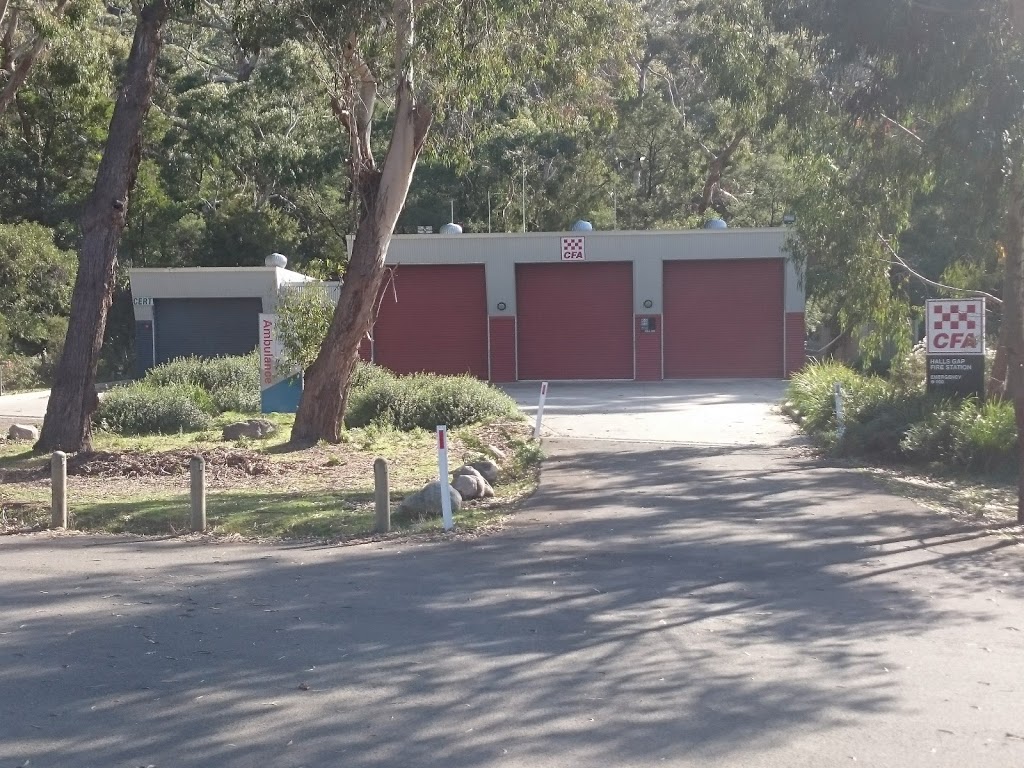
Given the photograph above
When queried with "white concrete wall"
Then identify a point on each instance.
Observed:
(207, 282)
(647, 250)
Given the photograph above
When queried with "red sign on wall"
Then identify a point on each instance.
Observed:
(956, 326)
(573, 249)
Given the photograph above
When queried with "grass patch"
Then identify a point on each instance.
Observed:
(321, 493)
(252, 515)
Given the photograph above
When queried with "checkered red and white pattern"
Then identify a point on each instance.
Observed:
(573, 249)
(956, 326)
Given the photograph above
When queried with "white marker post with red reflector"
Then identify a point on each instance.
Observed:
(442, 471)
(540, 409)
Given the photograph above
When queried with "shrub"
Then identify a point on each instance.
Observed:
(424, 401)
(968, 435)
(368, 373)
(811, 392)
(880, 420)
(233, 383)
(22, 372)
(144, 409)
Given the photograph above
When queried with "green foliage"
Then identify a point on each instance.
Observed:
(180, 396)
(896, 419)
(231, 383)
(879, 419)
(811, 393)
(304, 314)
(145, 409)
(981, 438)
(22, 372)
(36, 279)
(423, 401)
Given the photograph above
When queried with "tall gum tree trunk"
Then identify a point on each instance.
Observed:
(73, 399)
(1013, 287)
(1013, 317)
(324, 396)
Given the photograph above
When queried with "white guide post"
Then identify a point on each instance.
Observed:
(442, 471)
(540, 409)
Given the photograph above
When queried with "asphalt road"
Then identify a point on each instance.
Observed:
(687, 603)
(22, 408)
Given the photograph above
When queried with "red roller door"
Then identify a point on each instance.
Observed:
(724, 318)
(575, 321)
(433, 318)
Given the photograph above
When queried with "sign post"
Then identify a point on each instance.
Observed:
(442, 471)
(956, 346)
(540, 409)
(837, 392)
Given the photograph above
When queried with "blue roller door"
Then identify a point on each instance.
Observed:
(205, 327)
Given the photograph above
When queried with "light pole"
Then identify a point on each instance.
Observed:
(524, 194)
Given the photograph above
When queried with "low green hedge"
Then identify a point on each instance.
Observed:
(181, 396)
(147, 409)
(232, 382)
(895, 419)
(423, 401)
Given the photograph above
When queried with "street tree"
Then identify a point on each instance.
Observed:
(404, 66)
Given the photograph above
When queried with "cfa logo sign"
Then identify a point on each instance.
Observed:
(956, 326)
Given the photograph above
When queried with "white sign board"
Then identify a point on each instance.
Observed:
(574, 249)
(956, 326)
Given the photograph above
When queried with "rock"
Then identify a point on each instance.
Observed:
(469, 486)
(23, 432)
(477, 486)
(253, 428)
(488, 469)
(495, 451)
(427, 501)
(468, 469)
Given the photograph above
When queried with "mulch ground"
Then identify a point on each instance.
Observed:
(220, 463)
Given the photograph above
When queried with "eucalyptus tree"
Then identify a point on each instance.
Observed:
(52, 138)
(402, 67)
(938, 78)
(26, 28)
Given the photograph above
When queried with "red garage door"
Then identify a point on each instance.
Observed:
(433, 318)
(724, 318)
(575, 321)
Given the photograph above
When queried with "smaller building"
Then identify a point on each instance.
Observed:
(202, 311)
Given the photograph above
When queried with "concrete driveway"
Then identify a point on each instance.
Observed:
(680, 604)
(24, 406)
(719, 412)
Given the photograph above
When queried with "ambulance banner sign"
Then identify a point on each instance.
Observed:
(280, 388)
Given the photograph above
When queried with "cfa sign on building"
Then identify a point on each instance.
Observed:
(956, 346)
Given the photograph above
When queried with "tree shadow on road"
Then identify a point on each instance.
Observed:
(726, 609)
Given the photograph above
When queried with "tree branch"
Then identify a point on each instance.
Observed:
(365, 98)
(903, 128)
(898, 261)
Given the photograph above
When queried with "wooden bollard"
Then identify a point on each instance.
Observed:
(197, 473)
(381, 497)
(59, 489)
